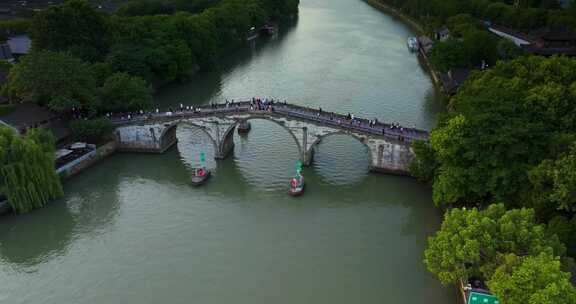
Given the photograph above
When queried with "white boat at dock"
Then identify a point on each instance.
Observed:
(412, 44)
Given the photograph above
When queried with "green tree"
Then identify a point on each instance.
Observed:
(56, 80)
(93, 131)
(565, 229)
(470, 241)
(424, 167)
(532, 280)
(507, 50)
(72, 26)
(481, 47)
(504, 122)
(27, 170)
(449, 54)
(555, 181)
(122, 92)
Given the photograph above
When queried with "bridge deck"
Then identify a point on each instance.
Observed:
(283, 109)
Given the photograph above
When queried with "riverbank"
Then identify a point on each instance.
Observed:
(413, 24)
(75, 167)
(417, 28)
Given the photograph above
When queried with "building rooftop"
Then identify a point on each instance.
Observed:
(20, 45)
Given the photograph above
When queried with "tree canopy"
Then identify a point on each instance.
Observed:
(504, 122)
(528, 15)
(72, 26)
(124, 93)
(471, 240)
(54, 79)
(27, 170)
(532, 280)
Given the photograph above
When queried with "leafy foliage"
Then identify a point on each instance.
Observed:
(27, 170)
(473, 49)
(555, 181)
(532, 280)
(530, 14)
(122, 92)
(72, 26)
(425, 165)
(91, 130)
(505, 121)
(470, 241)
(54, 79)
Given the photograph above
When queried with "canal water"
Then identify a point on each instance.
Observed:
(133, 230)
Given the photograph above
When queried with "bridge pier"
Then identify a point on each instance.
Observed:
(391, 158)
(243, 126)
(307, 157)
(226, 144)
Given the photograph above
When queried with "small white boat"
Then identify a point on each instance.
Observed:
(200, 176)
(296, 185)
(412, 44)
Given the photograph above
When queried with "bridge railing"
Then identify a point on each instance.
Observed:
(337, 120)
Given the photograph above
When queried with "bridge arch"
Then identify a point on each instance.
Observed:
(360, 139)
(171, 131)
(279, 123)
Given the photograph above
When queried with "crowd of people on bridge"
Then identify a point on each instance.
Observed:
(270, 105)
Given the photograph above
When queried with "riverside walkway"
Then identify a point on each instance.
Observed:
(389, 144)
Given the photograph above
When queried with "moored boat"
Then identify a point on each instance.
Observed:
(297, 182)
(296, 185)
(413, 44)
(200, 176)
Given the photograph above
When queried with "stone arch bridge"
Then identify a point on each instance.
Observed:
(389, 146)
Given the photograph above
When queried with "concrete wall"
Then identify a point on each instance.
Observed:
(143, 138)
(80, 164)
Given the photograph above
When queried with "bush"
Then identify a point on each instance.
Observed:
(91, 130)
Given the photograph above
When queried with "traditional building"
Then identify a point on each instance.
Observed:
(553, 41)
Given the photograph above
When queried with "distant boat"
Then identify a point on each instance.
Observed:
(296, 185)
(200, 176)
(252, 34)
(297, 182)
(413, 44)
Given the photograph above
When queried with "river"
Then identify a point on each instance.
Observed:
(132, 229)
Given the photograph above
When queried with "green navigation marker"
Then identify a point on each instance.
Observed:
(202, 157)
(482, 298)
(299, 167)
